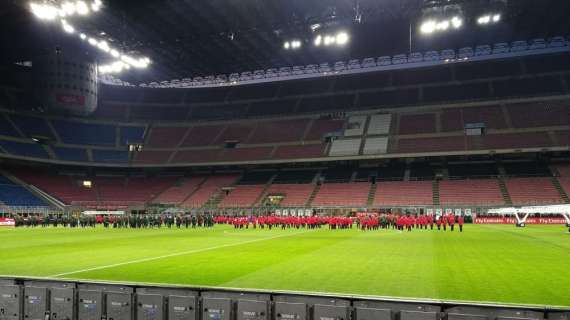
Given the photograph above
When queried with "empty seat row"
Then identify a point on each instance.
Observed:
(339, 66)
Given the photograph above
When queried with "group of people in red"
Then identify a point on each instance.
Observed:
(424, 221)
(363, 221)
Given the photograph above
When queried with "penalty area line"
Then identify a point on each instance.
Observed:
(172, 255)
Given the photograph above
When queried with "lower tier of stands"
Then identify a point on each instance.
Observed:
(255, 189)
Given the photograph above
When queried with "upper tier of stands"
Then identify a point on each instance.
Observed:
(465, 81)
(433, 130)
(401, 61)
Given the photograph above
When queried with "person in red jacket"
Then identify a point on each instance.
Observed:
(438, 222)
(460, 223)
(451, 221)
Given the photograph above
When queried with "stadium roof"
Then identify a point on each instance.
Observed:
(201, 37)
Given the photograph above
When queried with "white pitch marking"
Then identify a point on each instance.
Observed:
(171, 255)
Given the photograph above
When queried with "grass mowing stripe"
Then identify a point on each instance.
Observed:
(170, 255)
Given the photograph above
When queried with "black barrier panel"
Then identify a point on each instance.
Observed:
(35, 303)
(397, 306)
(462, 316)
(216, 309)
(119, 306)
(325, 312)
(496, 313)
(373, 314)
(559, 316)
(418, 315)
(62, 302)
(252, 310)
(311, 300)
(150, 307)
(182, 308)
(90, 305)
(236, 295)
(290, 311)
(10, 302)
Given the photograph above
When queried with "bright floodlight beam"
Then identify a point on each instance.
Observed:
(318, 40)
(286, 45)
(428, 27)
(44, 11)
(342, 38)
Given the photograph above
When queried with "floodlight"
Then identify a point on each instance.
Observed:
(83, 36)
(286, 45)
(428, 26)
(342, 38)
(484, 19)
(67, 27)
(92, 41)
(68, 8)
(81, 8)
(318, 40)
(496, 18)
(442, 25)
(456, 22)
(329, 40)
(115, 53)
(295, 44)
(103, 45)
(44, 11)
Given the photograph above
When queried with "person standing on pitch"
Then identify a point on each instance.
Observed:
(460, 223)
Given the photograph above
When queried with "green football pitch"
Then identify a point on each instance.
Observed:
(490, 263)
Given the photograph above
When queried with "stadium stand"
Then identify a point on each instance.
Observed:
(209, 188)
(279, 131)
(299, 151)
(152, 157)
(69, 189)
(335, 195)
(202, 136)
(12, 194)
(32, 150)
(375, 145)
(379, 124)
(83, 133)
(417, 123)
(132, 135)
(110, 156)
(532, 191)
(179, 192)
(295, 195)
(166, 137)
(470, 192)
(345, 147)
(72, 154)
(7, 129)
(321, 127)
(403, 193)
(32, 126)
(242, 196)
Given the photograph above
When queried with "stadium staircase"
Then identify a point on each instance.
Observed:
(435, 188)
(198, 186)
(560, 190)
(215, 199)
(261, 197)
(371, 195)
(505, 192)
(313, 194)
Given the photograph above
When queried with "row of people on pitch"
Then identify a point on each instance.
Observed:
(156, 221)
(422, 222)
(36, 220)
(286, 222)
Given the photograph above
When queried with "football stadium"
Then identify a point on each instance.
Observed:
(285, 160)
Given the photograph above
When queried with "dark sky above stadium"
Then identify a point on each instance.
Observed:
(187, 38)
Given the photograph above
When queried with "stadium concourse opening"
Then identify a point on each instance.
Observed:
(285, 160)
